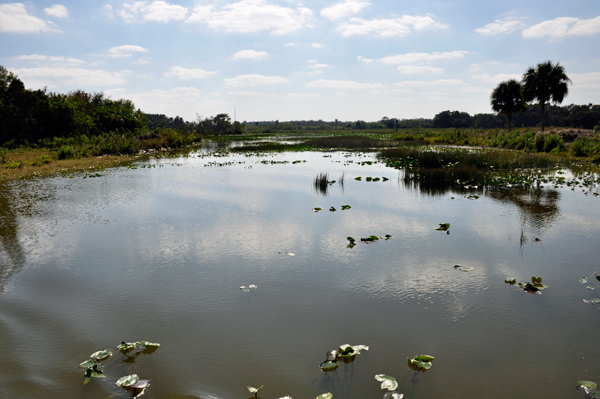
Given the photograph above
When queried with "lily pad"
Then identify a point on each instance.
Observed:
(141, 384)
(387, 382)
(511, 281)
(393, 395)
(344, 207)
(147, 344)
(332, 355)
(583, 280)
(350, 239)
(327, 395)
(101, 355)
(317, 209)
(254, 390)
(88, 363)
(329, 365)
(351, 350)
(593, 301)
(587, 384)
(443, 226)
(421, 362)
(128, 380)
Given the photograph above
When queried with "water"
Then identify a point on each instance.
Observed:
(159, 254)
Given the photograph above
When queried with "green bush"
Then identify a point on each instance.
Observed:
(3, 154)
(539, 142)
(42, 159)
(579, 148)
(553, 141)
(596, 129)
(66, 152)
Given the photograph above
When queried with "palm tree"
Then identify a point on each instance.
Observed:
(507, 98)
(544, 83)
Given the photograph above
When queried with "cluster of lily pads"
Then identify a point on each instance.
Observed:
(253, 390)
(369, 178)
(418, 363)
(332, 209)
(588, 388)
(535, 287)
(367, 240)
(131, 382)
(248, 288)
(463, 268)
(345, 353)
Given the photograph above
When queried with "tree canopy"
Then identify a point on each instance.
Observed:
(507, 98)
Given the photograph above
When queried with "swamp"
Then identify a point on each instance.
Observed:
(273, 268)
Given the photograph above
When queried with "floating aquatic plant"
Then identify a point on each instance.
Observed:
(593, 301)
(369, 239)
(535, 287)
(93, 366)
(329, 365)
(133, 384)
(248, 288)
(463, 268)
(126, 347)
(254, 390)
(286, 253)
(443, 226)
(350, 239)
(327, 395)
(421, 363)
(511, 281)
(387, 382)
(317, 209)
(345, 207)
(332, 209)
(393, 395)
(588, 388)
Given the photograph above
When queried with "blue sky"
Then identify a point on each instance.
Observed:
(299, 60)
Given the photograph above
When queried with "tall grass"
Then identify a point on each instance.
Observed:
(321, 182)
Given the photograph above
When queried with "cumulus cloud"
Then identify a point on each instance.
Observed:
(14, 18)
(57, 10)
(587, 81)
(125, 51)
(500, 26)
(342, 84)
(186, 74)
(564, 26)
(318, 45)
(415, 69)
(52, 77)
(442, 83)
(344, 9)
(363, 59)
(159, 11)
(250, 16)
(317, 66)
(254, 80)
(388, 27)
(410, 58)
(250, 54)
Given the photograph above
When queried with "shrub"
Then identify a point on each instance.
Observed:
(3, 154)
(553, 141)
(579, 148)
(42, 159)
(66, 152)
(596, 129)
(539, 142)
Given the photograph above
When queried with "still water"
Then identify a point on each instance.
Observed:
(159, 254)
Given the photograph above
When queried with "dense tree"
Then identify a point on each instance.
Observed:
(545, 83)
(507, 99)
(448, 119)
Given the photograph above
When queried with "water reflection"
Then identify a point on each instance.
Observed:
(12, 258)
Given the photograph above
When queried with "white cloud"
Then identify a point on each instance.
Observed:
(415, 69)
(54, 60)
(57, 10)
(108, 11)
(388, 27)
(586, 81)
(159, 11)
(484, 77)
(409, 58)
(245, 93)
(14, 18)
(342, 84)
(250, 54)
(317, 66)
(363, 59)
(343, 10)
(125, 51)
(312, 61)
(186, 74)
(564, 26)
(500, 26)
(249, 16)
(318, 45)
(69, 77)
(304, 95)
(254, 80)
(442, 83)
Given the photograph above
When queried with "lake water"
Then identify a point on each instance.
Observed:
(159, 254)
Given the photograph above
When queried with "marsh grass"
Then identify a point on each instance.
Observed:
(321, 182)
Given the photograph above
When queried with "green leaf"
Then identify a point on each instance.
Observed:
(254, 390)
(352, 350)
(329, 365)
(88, 363)
(96, 374)
(425, 358)
(510, 281)
(128, 380)
(587, 384)
(125, 347)
(387, 382)
(101, 355)
(325, 396)
(147, 344)
(350, 239)
(536, 280)
(86, 380)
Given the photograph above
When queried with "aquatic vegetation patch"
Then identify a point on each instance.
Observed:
(588, 388)
(533, 287)
(345, 353)
(93, 366)
(463, 268)
(387, 382)
(248, 288)
(443, 227)
(421, 363)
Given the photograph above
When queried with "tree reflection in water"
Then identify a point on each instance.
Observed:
(12, 256)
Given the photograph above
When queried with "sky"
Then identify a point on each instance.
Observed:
(261, 60)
